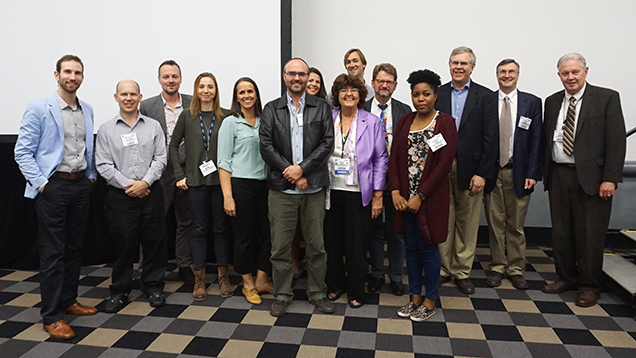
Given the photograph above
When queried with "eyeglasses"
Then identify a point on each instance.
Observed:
(508, 72)
(347, 90)
(458, 63)
(382, 83)
(299, 74)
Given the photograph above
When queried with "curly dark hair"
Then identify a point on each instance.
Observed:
(425, 76)
(343, 81)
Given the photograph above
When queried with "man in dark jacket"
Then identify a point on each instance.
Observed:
(296, 136)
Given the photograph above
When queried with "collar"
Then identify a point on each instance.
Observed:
(179, 104)
(63, 104)
(512, 96)
(375, 103)
(466, 86)
(290, 101)
(139, 118)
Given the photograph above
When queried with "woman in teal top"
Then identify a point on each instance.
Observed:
(242, 174)
(199, 128)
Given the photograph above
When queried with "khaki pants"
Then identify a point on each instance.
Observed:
(284, 212)
(506, 215)
(458, 252)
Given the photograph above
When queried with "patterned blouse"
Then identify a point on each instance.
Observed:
(417, 144)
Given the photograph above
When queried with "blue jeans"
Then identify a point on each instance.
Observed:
(420, 255)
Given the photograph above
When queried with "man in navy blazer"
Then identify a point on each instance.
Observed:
(520, 162)
(166, 108)
(389, 110)
(474, 108)
(54, 151)
(585, 146)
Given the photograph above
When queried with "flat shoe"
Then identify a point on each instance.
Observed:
(251, 295)
(268, 288)
(334, 296)
(355, 304)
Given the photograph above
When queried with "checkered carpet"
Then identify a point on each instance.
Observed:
(502, 322)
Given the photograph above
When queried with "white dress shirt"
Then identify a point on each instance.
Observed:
(558, 155)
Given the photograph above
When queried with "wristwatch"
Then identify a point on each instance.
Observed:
(421, 195)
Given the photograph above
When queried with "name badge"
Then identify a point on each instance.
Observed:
(299, 118)
(558, 136)
(341, 166)
(207, 168)
(524, 123)
(129, 139)
(436, 142)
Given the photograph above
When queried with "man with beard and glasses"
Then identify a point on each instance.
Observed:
(389, 110)
(166, 108)
(54, 151)
(296, 140)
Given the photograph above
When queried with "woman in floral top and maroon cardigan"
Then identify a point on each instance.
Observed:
(424, 146)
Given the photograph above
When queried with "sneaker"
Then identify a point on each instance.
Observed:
(279, 308)
(116, 302)
(407, 310)
(422, 314)
(323, 305)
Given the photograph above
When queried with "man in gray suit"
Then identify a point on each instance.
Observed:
(166, 108)
(389, 110)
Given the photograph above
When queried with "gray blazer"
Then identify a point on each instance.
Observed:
(153, 108)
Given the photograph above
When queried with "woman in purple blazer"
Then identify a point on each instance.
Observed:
(357, 171)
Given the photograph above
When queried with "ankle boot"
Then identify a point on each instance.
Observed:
(224, 283)
(199, 285)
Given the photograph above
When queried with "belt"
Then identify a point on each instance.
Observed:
(69, 176)
(507, 166)
(568, 165)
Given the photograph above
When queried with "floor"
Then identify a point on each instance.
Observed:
(502, 322)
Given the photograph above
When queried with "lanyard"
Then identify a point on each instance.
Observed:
(206, 136)
(344, 136)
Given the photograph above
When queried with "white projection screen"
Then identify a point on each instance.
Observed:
(120, 39)
(421, 34)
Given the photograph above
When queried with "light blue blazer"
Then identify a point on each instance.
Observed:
(40, 145)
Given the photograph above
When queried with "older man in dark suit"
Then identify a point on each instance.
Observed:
(584, 133)
(474, 108)
(389, 110)
(166, 108)
(520, 163)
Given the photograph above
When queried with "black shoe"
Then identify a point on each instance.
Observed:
(397, 288)
(116, 302)
(186, 275)
(443, 280)
(518, 282)
(156, 299)
(375, 283)
(465, 286)
(494, 279)
(279, 308)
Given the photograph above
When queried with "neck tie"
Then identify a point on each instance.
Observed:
(568, 128)
(383, 118)
(505, 132)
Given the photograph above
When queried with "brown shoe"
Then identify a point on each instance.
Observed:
(587, 298)
(81, 310)
(267, 289)
(60, 330)
(252, 296)
(494, 279)
(444, 279)
(518, 282)
(199, 293)
(224, 283)
(465, 286)
(557, 286)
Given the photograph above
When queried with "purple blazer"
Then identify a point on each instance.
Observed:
(371, 153)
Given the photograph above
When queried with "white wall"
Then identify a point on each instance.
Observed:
(421, 34)
(120, 39)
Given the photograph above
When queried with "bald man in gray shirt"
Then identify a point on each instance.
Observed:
(130, 155)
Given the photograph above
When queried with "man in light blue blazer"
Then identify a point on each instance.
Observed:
(54, 151)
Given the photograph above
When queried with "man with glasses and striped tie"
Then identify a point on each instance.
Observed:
(585, 152)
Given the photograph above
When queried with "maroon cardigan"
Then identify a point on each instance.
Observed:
(433, 213)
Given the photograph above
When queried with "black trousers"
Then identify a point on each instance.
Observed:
(579, 225)
(62, 211)
(135, 221)
(347, 225)
(252, 240)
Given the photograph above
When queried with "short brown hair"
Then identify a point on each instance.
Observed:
(362, 58)
(168, 63)
(386, 67)
(58, 65)
(343, 81)
(507, 61)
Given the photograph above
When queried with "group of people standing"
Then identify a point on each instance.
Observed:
(346, 171)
